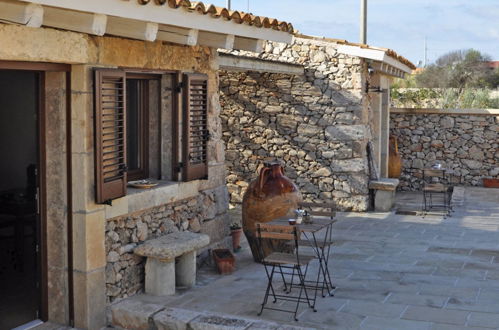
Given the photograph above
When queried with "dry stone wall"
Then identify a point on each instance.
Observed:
(315, 123)
(204, 213)
(466, 144)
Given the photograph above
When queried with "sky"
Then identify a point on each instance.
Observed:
(401, 25)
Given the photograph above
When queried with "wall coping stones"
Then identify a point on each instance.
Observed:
(385, 184)
(457, 112)
(172, 245)
(135, 314)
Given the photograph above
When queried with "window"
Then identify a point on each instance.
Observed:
(136, 136)
(137, 128)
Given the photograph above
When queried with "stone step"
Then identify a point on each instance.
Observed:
(136, 314)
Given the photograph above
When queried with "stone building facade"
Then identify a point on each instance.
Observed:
(318, 124)
(464, 141)
(86, 57)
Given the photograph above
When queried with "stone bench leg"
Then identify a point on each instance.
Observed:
(185, 273)
(384, 200)
(160, 277)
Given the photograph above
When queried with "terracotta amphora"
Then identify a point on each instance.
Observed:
(394, 159)
(272, 195)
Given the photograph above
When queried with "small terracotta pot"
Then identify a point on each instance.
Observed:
(225, 261)
(491, 183)
(236, 239)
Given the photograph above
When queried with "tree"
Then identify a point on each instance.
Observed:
(459, 69)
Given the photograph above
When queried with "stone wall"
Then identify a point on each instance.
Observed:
(465, 143)
(204, 213)
(317, 123)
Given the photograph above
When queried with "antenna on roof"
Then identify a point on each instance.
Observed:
(363, 21)
(425, 61)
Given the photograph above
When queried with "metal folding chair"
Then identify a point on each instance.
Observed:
(436, 191)
(281, 263)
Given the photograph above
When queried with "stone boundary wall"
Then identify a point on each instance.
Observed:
(205, 213)
(315, 123)
(465, 141)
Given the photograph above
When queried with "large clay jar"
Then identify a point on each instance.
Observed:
(271, 195)
(394, 159)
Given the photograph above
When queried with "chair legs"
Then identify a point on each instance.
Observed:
(270, 270)
(429, 203)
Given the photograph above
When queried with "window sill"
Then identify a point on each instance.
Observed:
(166, 192)
(161, 184)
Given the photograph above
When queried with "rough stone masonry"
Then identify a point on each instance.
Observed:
(467, 144)
(317, 123)
(205, 213)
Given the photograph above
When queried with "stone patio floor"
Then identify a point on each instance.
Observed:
(391, 272)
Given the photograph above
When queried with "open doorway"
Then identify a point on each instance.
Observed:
(19, 182)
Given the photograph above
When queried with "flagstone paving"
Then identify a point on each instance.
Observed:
(391, 272)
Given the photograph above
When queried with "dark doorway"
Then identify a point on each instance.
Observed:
(19, 182)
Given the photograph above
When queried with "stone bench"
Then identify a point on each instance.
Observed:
(162, 272)
(385, 193)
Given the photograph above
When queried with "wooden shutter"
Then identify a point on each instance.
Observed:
(195, 127)
(110, 135)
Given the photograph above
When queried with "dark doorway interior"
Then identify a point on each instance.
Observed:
(19, 223)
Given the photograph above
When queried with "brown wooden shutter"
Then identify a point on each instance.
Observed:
(110, 135)
(195, 127)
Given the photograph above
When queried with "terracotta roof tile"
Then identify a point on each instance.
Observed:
(223, 13)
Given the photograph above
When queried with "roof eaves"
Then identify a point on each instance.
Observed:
(389, 52)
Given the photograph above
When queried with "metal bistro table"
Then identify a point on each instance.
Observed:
(321, 247)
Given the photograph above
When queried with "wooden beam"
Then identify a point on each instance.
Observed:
(75, 21)
(216, 40)
(252, 45)
(166, 15)
(387, 69)
(178, 35)
(129, 28)
(28, 14)
(231, 62)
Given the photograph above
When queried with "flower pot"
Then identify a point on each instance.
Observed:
(236, 239)
(491, 183)
(224, 260)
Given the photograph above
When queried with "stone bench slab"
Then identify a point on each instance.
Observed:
(172, 245)
(385, 184)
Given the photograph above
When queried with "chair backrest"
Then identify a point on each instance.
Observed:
(433, 173)
(434, 176)
(279, 232)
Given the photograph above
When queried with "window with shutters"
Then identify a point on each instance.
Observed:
(140, 133)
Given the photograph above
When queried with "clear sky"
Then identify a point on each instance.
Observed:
(397, 24)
